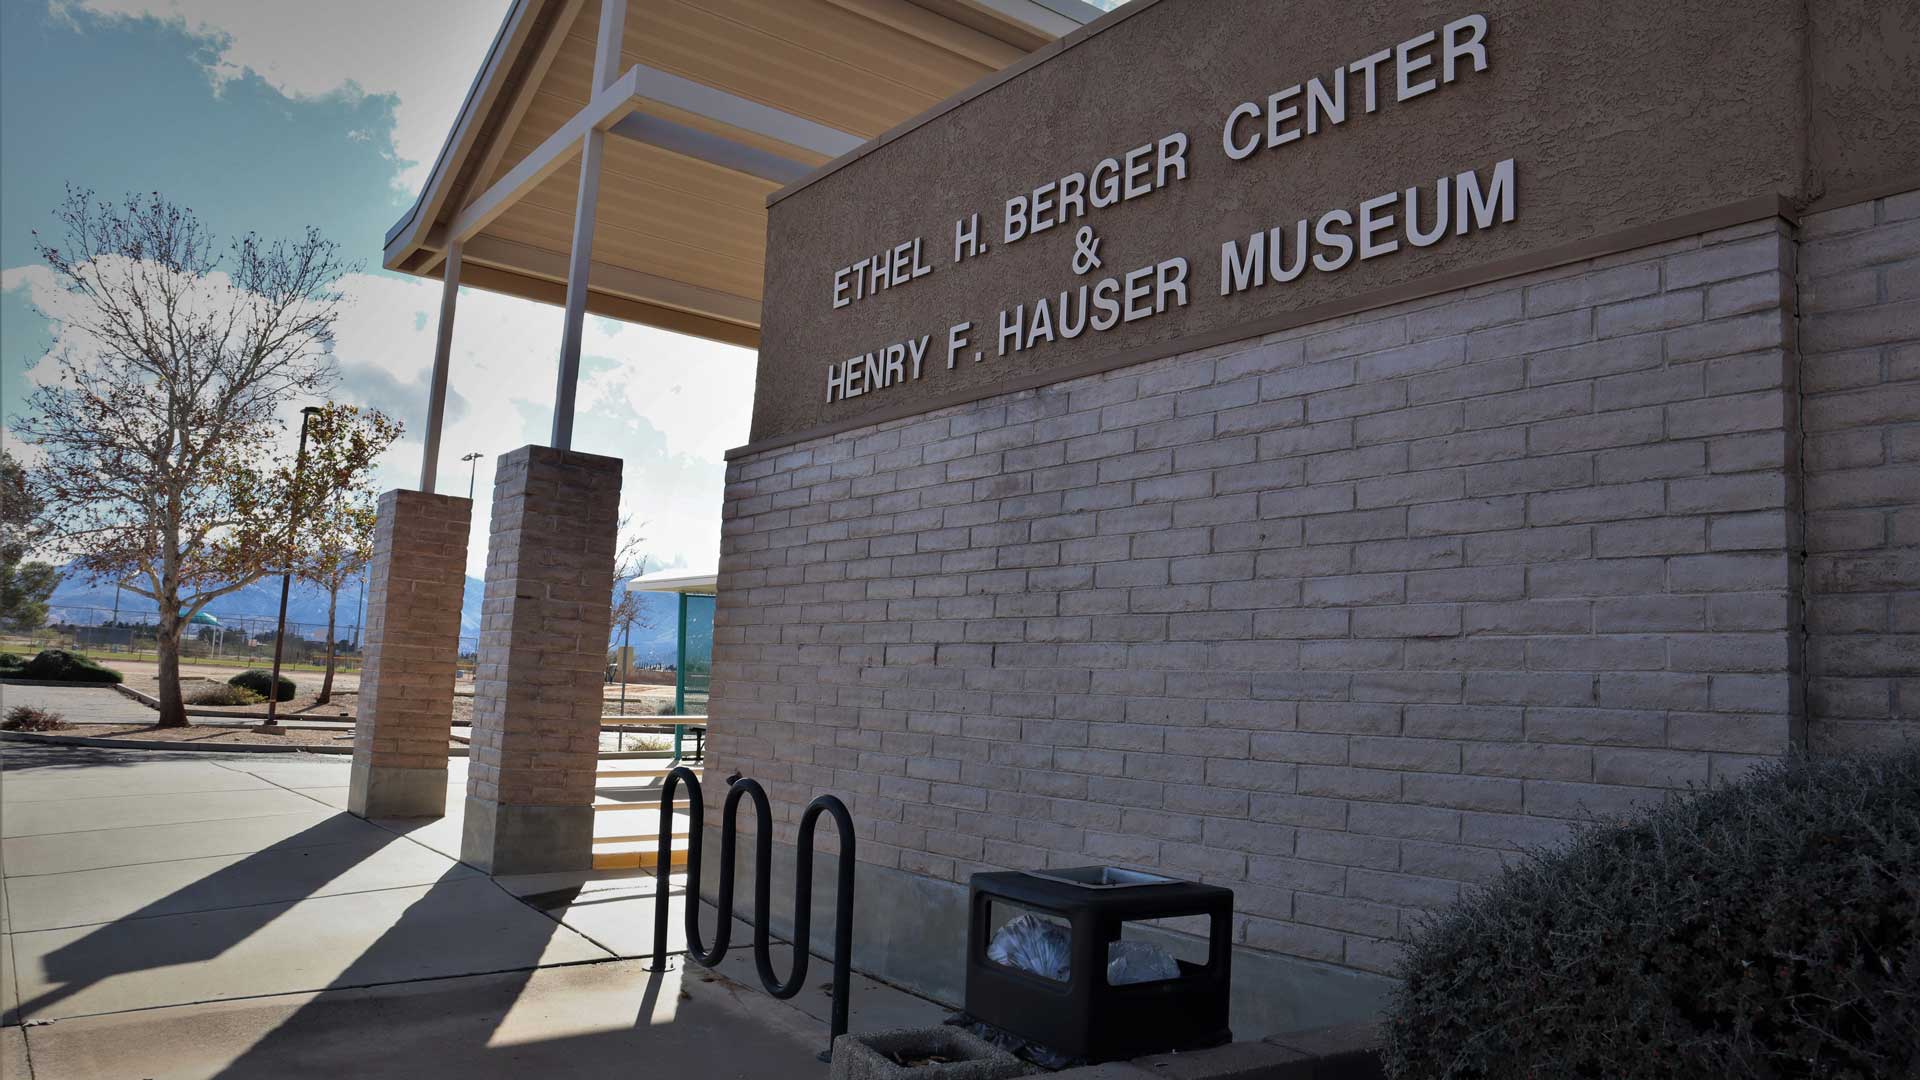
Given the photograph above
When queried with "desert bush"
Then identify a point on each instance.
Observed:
(260, 681)
(1768, 928)
(28, 718)
(59, 665)
(224, 694)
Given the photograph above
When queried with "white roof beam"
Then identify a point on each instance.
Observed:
(607, 108)
(710, 148)
(734, 111)
(615, 280)
(617, 109)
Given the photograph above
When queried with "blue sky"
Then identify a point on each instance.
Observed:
(270, 115)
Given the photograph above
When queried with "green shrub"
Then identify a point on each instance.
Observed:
(28, 718)
(59, 665)
(10, 660)
(224, 694)
(261, 682)
(1770, 928)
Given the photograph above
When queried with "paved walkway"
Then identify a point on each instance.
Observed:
(170, 915)
(78, 704)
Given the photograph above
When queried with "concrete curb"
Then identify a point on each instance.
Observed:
(146, 744)
(196, 748)
(1347, 1052)
(152, 702)
(61, 682)
(128, 691)
(868, 1056)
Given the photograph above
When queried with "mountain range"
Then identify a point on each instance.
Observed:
(254, 607)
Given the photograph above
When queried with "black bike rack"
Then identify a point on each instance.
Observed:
(762, 888)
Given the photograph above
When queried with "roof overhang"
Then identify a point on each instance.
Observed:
(717, 104)
(681, 580)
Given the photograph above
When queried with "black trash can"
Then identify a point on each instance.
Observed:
(1084, 1016)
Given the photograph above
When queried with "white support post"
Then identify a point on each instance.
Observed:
(606, 47)
(606, 65)
(442, 357)
(579, 271)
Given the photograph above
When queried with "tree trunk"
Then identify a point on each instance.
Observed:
(173, 709)
(326, 684)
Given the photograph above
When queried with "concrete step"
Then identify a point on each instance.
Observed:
(624, 770)
(623, 826)
(628, 855)
(636, 800)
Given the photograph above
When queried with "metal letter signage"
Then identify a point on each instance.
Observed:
(1200, 172)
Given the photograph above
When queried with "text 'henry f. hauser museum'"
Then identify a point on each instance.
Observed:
(1319, 449)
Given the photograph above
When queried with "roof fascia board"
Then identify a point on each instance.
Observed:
(512, 33)
(911, 19)
(523, 95)
(1047, 18)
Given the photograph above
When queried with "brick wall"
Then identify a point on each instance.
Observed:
(542, 659)
(1860, 343)
(418, 571)
(1342, 618)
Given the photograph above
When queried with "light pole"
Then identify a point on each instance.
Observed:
(360, 620)
(286, 577)
(471, 470)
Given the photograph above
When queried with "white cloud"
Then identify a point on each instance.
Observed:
(424, 52)
(668, 405)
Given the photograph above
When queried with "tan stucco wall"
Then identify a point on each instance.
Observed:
(1618, 116)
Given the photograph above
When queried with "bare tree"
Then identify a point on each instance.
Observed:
(334, 541)
(161, 428)
(628, 614)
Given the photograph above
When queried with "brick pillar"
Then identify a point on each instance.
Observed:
(412, 647)
(543, 654)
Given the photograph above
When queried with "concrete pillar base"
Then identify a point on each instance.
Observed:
(506, 839)
(392, 791)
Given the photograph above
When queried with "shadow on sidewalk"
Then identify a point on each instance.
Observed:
(589, 1020)
(130, 943)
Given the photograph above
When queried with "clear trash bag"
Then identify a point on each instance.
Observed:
(1138, 962)
(1029, 943)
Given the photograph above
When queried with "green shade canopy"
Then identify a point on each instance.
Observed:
(203, 619)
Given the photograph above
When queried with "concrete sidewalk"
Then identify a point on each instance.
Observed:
(179, 915)
(78, 704)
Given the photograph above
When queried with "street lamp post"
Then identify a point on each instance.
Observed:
(472, 468)
(272, 725)
(360, 620)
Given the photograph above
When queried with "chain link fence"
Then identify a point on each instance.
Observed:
(237, 639)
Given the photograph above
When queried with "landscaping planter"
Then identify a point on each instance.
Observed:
(880, 1056)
